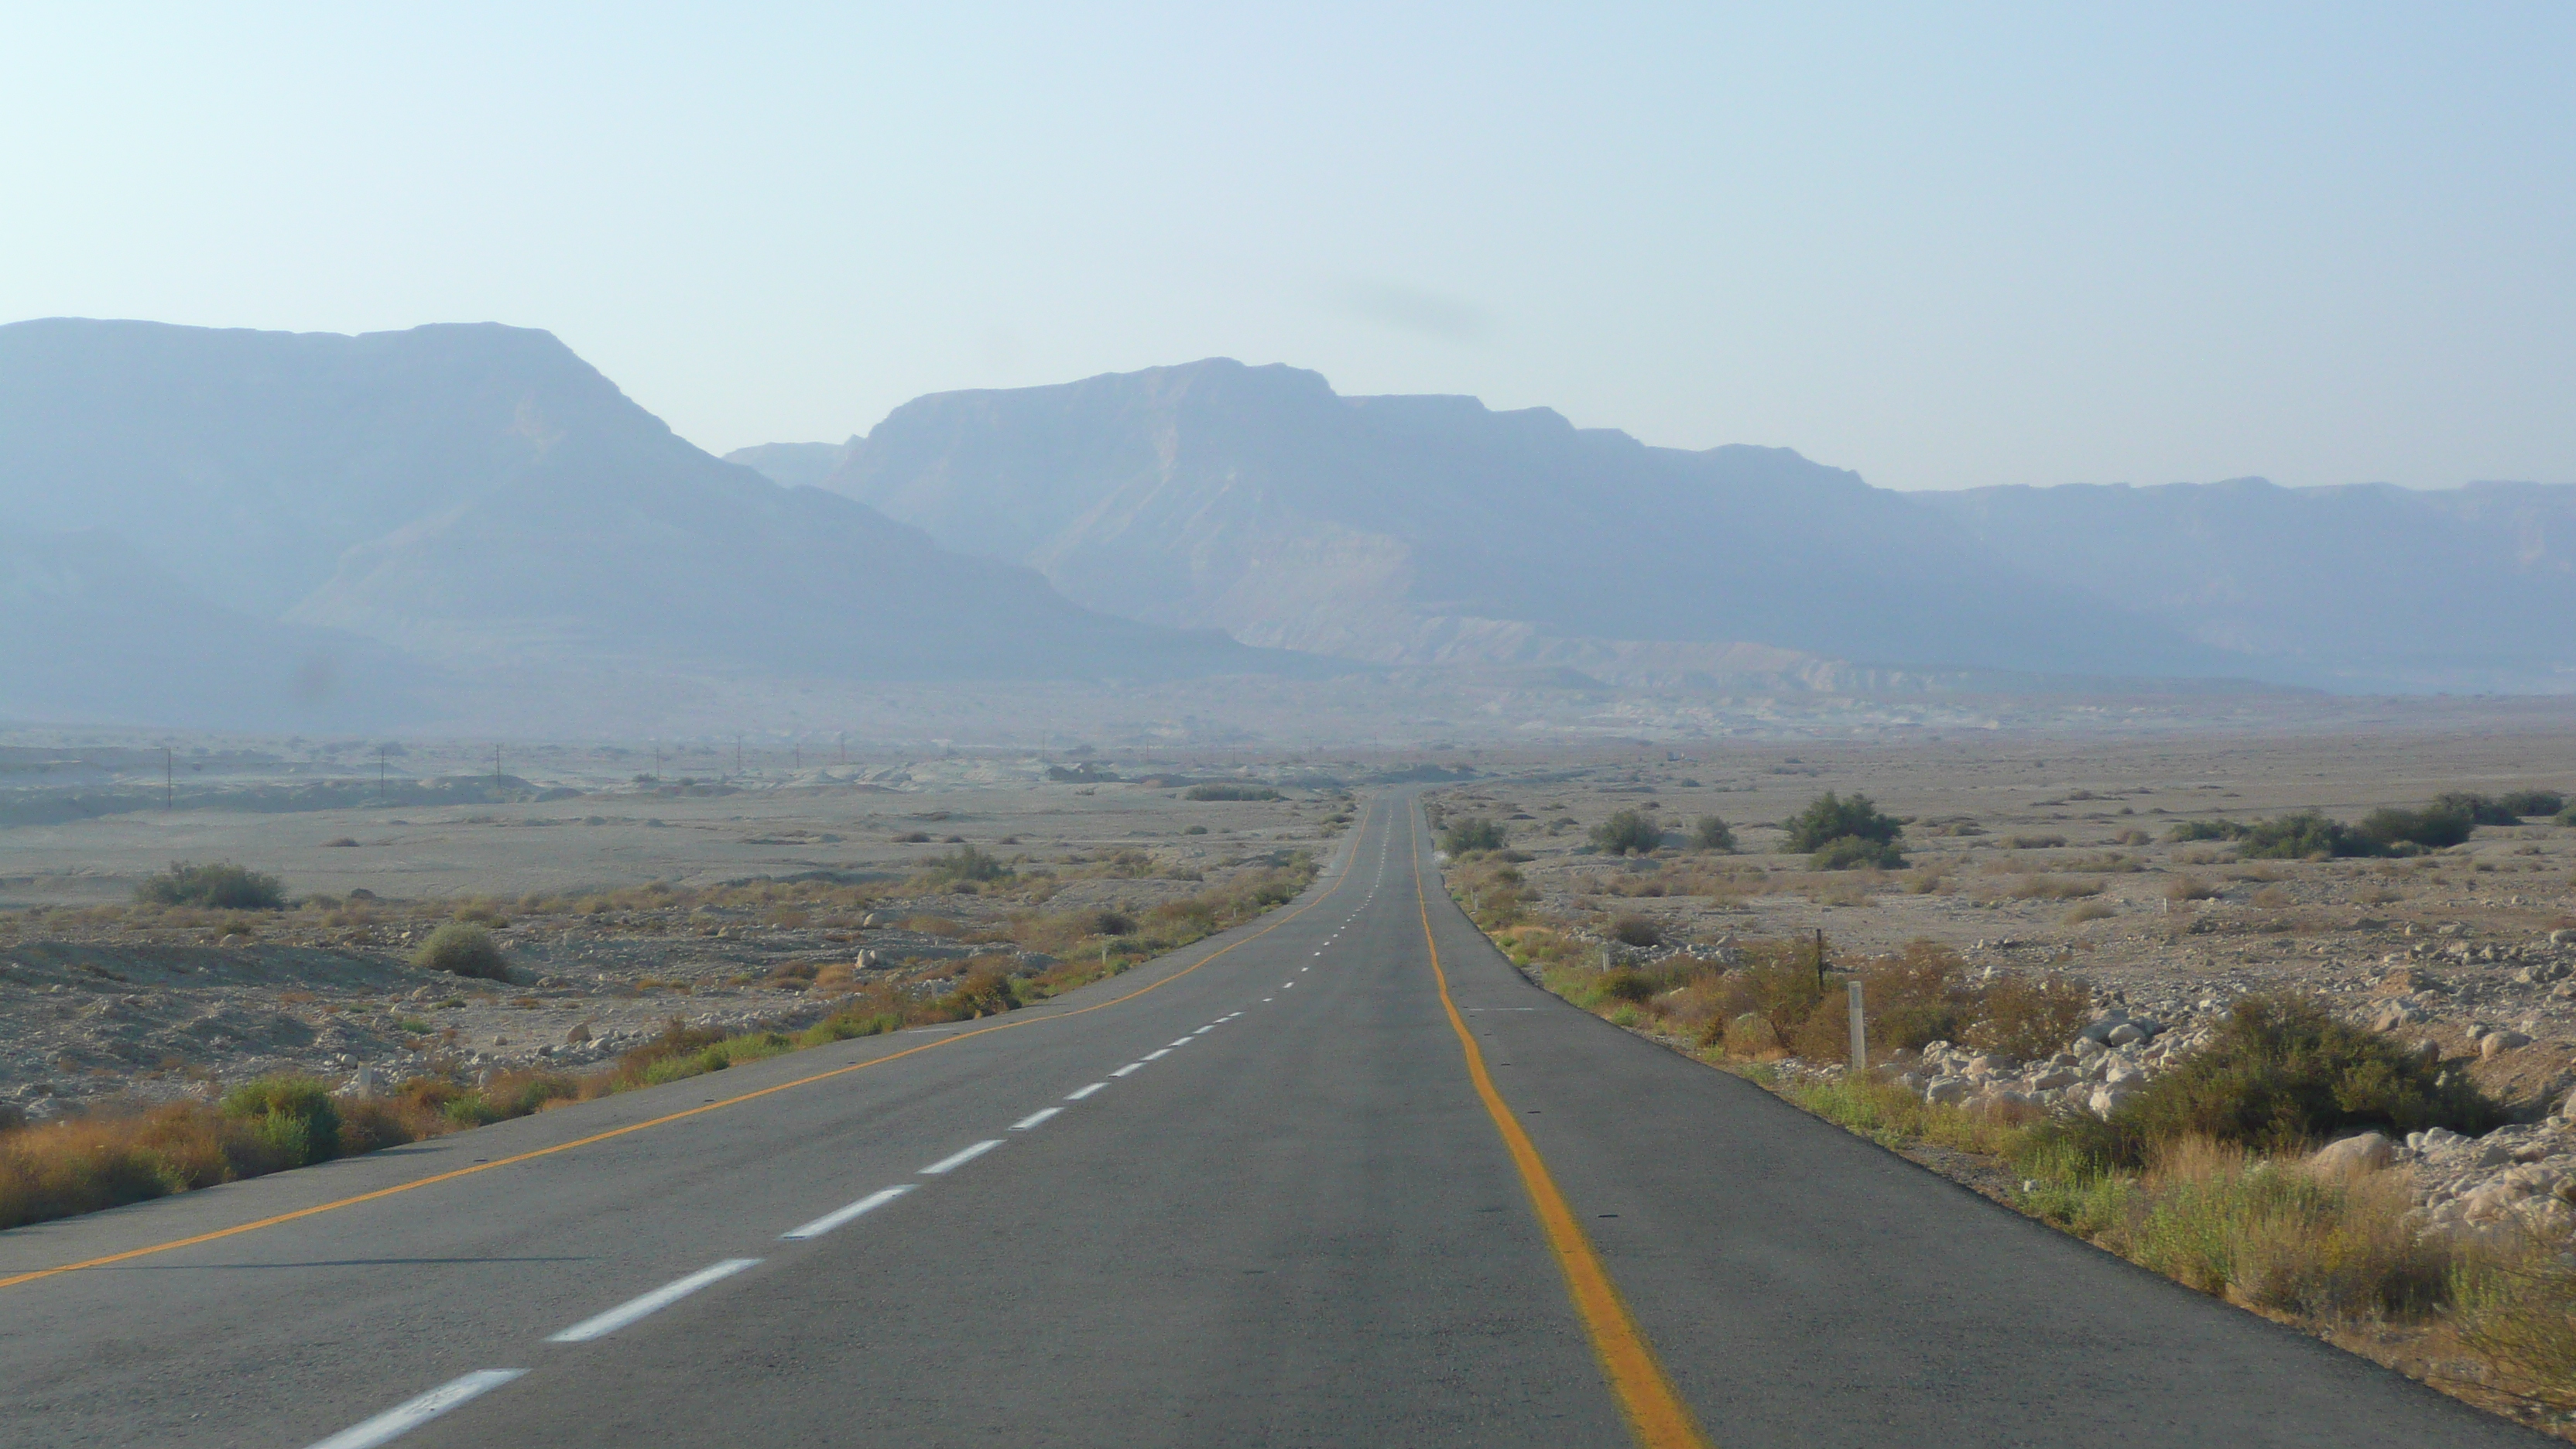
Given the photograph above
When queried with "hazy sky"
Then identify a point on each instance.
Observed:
(1945, 246)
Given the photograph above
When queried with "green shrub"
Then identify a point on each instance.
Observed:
(1829, 819)
(1231, 792)
(851, 1024)
(2191, 830)
(1636, 931)
(2300, 835)
(967, 863)
(2283, 1075)
(220, 887)
(1474, 833)
(2029, 1019)
(2567, 817)
(1627, 832)
(1627, 985)
(2432, 827)
(1711, 833)
(462, 950)
(2522, 804)
(292, 1115)
(1856, 852)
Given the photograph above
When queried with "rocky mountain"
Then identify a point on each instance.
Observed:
(475, 496)
(1434, 530)
(2370, 586)
(91, 630)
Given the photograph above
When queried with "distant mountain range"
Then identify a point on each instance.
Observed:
(257, 529)
(284, 527)
(1432, 530)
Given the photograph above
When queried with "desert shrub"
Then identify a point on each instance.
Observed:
(2522, 804)
(1856, 852)
(2521, 1311)
(1627, 832)
(2056, 888)
(985, 991)
(293, 1115)
(1915, 997)
(1231, 792)
(462, 949)
(1636, 931)
(2479, 809)
(2033, 842)
(2300, 835)
(218, 887)
(2188, 888)
(849, 1024)
(2191, 830)
(1711, 833)
(2567, 817)
(2026, 1018)
(2432, 827)
(1829, 818)
(967, 863)
(2213, 1217)
(2283, 1074)
(2090, 911)
(1629, 986)
(1472, 834)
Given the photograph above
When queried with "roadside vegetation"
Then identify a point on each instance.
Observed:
(2208, 1174)
(2389, 831)
(112, 1157)
(217, 887)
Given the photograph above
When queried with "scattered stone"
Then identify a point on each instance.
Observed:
(2367, 1152)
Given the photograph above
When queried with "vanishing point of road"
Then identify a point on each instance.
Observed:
(1337, 1177)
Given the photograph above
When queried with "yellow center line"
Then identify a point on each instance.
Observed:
(1656, 1415)
(499, 1162)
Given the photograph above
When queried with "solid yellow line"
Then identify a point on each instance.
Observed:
(1656, 1415)
(384, 1192)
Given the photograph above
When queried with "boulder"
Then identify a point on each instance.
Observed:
(2497, 1043)
(2367, 1152)
(2052, 1078)
(1947, 1089)
(2126, 1033)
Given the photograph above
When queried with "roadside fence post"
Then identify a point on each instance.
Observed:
(1859, 1031)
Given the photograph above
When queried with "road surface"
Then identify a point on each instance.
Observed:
(1260, 1192)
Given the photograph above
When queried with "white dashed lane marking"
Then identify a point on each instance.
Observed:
(651, 1303)
(1034, 1118)
(961, 1157)
(831, 1220)
(404, 1417)
(1085, 1092)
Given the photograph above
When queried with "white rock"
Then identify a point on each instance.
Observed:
(2366, 1152)
(2125, 1034)
(2120, 1071)
(1947, 1089)
(2055, 1077)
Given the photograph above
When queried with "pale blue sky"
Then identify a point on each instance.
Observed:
(1943, 245)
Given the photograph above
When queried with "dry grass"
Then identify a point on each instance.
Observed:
(2056, 888)
(2189, 888)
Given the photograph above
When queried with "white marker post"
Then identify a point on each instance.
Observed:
(1860, 1032)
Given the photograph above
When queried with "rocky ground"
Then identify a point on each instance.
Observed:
(2056, 857)
(620, 907)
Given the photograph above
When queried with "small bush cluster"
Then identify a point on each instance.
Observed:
(461, 948)
(1845, 834)
(1709, 832)
(1473, 834)
(1627, 832)
(2284, 1075)
(966, 863)
(218, 887)
(1231, 792)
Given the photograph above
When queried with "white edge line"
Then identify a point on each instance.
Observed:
(1085, 1092)
(660, 1298)
(404, 1417)
(831, 1220)
(961, 1157)
(1122, 1071)
(1034, 1118)
(1184, 1041)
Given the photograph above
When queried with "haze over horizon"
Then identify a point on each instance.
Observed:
(1942, 252)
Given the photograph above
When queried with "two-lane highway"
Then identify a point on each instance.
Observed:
(1263, 1192)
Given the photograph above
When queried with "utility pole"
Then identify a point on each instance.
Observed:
(737, 754)
(169, 780)
(496, 769)
(1820, 958)
(380, 774)
(845, 747)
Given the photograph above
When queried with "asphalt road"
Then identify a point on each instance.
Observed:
(1264, 1202)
